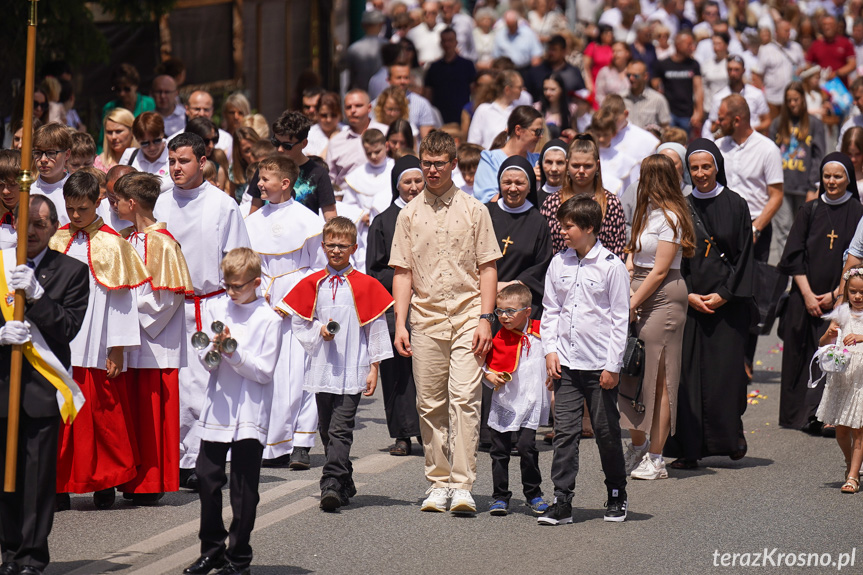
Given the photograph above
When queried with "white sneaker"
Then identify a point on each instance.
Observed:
(462, 502)
(632, 456)
(650, 468)
(436, 500)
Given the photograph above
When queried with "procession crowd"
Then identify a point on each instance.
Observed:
(512, 218)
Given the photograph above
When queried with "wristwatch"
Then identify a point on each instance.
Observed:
(756, 232)
(488, 316)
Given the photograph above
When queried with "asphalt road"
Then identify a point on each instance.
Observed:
(783, 498)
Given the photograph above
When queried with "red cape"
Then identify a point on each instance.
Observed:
(506, 348)
(371, 299)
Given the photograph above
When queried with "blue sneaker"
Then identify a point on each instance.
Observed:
(499, 508)
(538, 505)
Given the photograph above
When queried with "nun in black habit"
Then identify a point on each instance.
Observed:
(822, 231)
(397, 376)
(719, 279)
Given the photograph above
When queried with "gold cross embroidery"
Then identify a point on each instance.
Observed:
(709, 245)
(506, 243)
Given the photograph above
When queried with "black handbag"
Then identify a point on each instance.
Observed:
(633, 366)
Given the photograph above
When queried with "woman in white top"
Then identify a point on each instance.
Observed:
(662, 232)
(152, 155)
(714, 71)
(329, 124)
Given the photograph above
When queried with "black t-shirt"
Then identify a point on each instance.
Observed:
(677, 81)
(450, 84)
(313, 188)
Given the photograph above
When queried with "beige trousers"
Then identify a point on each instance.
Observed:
(448, 381)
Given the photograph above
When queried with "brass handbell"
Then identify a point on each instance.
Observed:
(333, 327)
(507, 377)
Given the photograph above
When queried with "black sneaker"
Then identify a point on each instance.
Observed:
(330, 500)
(559, 513)
(615, 509)
(300, 458)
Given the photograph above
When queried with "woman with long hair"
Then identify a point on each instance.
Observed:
(813, 256)
(800, 137)
(852, 146)
(490, 119)
(483, 90)
(597, 55)
(400, 138)
(524, 128)
(556, 108)
(584, 176)
(117, 127)
(662, 234)
(392, 105)
(234, 110)
(329, 124)
(714, 71)
(241, 157)
(613, 79)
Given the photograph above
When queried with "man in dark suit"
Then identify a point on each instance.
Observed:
(58, 290)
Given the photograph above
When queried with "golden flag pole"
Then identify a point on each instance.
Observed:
(22, 221)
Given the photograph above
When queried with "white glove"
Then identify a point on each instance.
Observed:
(23, 277)
(15, 333)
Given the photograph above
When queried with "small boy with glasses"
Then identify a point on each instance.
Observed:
(339, 319)
(515, 368)
(52, 147)
(286, 235)
(312, 187)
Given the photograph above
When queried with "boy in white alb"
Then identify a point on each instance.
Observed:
(515, 368)
(235, 414)
(339, 318)
(368, 187)
(52, 146)
(97, 453)
(207, 224)
(154, 388)
(286, 236)
(10, 168)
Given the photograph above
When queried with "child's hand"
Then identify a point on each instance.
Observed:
(495, 379)
(371, 380)
(326, 334)
(608, 380)
(226, 334)
(832, 331)
(366, 219)
(852, 339)
(114, 362)
(552, 365)
(281, 312)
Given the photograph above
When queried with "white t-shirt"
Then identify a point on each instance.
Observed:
(657, 229)
(751, 167)
(488, 121)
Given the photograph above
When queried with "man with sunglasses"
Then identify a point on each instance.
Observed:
(313, 188)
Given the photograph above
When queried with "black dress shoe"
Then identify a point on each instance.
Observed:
(104, 498)
(145, 498)
(10, 568)
(300, 458)
(281, 461)
(742, 448)
(62, 502)
(30, 570)
(205, 564)
(192, 483)
(231, 569)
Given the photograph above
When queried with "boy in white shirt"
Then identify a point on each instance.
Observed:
(515, 368)
(368, 187)
(339, 319)
(584, 327)
(236, 413)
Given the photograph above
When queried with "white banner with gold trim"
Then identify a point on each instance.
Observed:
(69, 395)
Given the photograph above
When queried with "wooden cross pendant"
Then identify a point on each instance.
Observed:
(832, 235)
(506, 243)
(709, 245)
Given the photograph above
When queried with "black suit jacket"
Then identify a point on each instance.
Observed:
(58, 314)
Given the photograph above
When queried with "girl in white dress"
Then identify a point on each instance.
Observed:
(842, 402)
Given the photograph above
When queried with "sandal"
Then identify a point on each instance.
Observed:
(852, 485)
(401, 447)
(683, 463)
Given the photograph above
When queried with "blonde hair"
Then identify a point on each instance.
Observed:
(401, 101)
(52, 88)
(240, 262)
(585, 144)
(258, 123)
(125, 118)
(340, 227)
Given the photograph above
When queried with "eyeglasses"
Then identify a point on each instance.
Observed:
(214, 140)
(508, 312)
(50, 154)
(154, 142)
(39, 104)
(277, 143)
(236, 287)
(437, 165)
(122, 89)
(339, 247)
